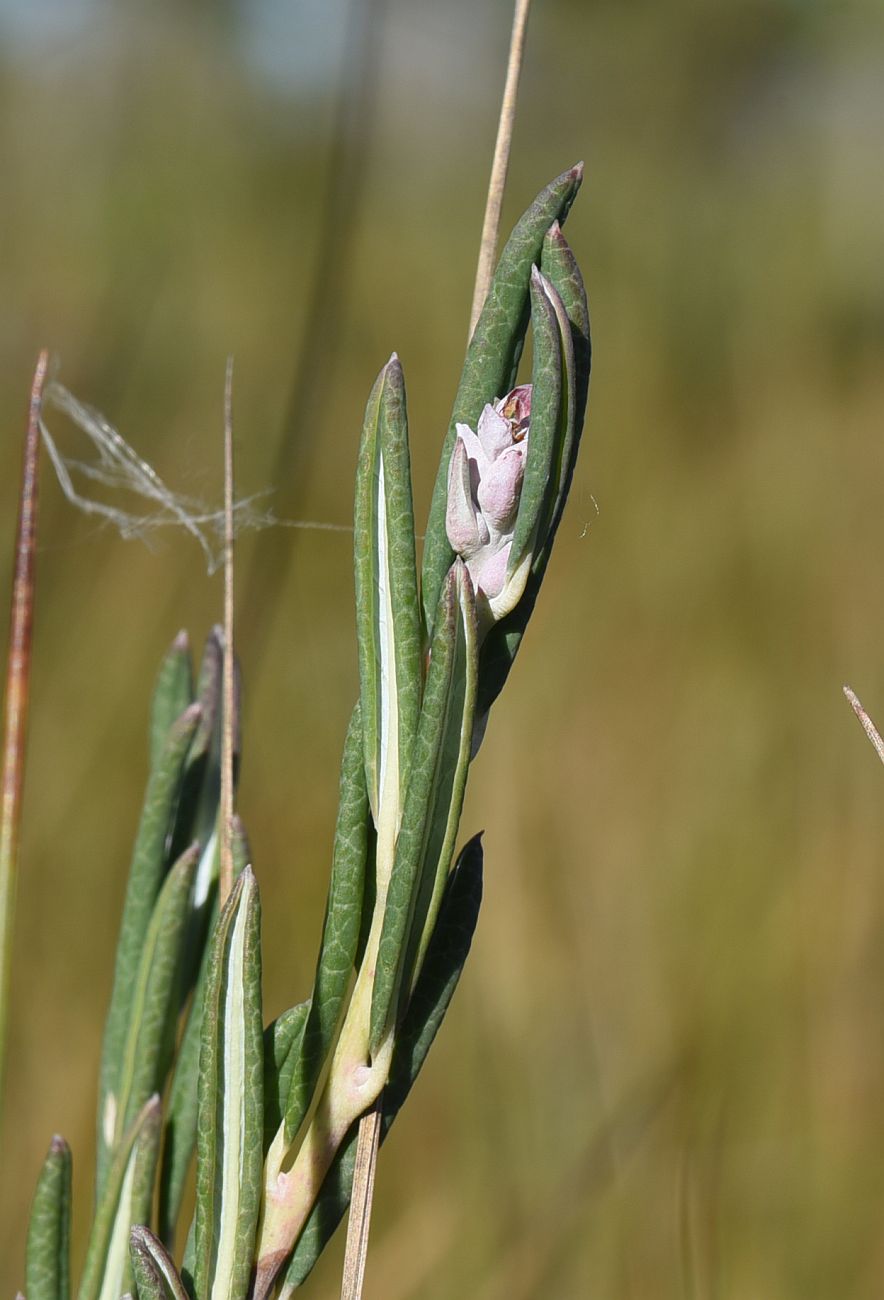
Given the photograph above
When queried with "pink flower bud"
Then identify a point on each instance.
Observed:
(484, 489)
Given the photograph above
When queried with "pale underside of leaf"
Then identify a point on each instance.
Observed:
(388, 740)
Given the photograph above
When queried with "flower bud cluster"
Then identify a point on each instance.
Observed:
(484, 489)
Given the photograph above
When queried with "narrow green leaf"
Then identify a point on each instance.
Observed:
(180, 1126)
(156, 1276)
(150, 1039)
(201, 787)
(569, 302)
(148, 1279)
(230, 1119)
(181, 1113)
(340, 935)
(559, 266)
(197, 815)
(126, 1201)
(492, 358)
(547, 423)
(434, 800)
(282, 1040)
(445, 958)
(146, 876)
(47, 1256)
(172, 694)
(388, 623)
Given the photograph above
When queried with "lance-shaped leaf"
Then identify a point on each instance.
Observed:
(156, 1276)
(47, 1256)
(387, 617)
(568, 301)
(559, 267)
(548, 416)
(445, 957)
(201, 784)
(181, 1112)
(197, 818)
(172, 694)
(435, 796)
(282, 1040)
(146, 876)
(127, 1200)
(492, 357)
(230, 1120)
(340, 935)
(153, 1015)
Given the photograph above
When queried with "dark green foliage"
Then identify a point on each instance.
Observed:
(47, 1257)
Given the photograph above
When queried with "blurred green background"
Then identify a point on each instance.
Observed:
(663, 1075)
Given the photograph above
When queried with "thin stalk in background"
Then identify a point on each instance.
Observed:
(500, 163)
(18, 672)
(225, 883)
(367, 1146)
(868, 725)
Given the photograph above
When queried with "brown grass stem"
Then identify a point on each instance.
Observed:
(868, 725)
(226, 869)
(360, 1203)
(18, 672)
(500, 162)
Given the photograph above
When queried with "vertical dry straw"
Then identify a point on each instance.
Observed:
(226, 873)
(18, 672)
(500, 163)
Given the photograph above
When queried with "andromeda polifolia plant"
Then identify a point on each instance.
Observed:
(272, 1114)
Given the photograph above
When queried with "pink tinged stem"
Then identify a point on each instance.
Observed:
(18, 670)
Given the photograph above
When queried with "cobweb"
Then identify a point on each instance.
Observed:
(117, 467)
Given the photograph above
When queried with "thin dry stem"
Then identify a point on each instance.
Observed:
(867, 724)
(360, 1204)
(226, 871)
(18, 668)
(500, 162)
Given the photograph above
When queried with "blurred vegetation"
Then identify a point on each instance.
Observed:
(664, 1075)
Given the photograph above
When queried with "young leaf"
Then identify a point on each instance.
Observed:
(146, 876)
(172, 694)
(434, 800)
(156, 1276)
(340, 935)
(282, 1040)
(47, 1257)
(201, 784)
(445, 957)
(547, 424)
(560, 269)
(388, 624)
(181, 1113)
(126, 1201)
(492, 358)
(230, 1119)
(154, 1009)
(572, 315)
